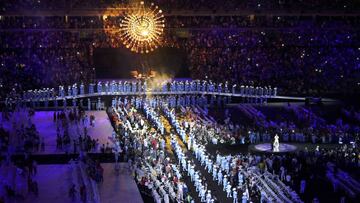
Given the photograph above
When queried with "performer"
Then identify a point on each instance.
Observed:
(276, 144)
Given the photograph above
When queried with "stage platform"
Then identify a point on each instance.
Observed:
(288, 147)
(159, 93)
(283, 147)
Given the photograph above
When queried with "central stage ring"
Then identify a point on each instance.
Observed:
(266, 147)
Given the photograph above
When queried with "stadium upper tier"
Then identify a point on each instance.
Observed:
(190, 5)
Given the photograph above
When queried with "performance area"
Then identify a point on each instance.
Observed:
(142, 134)
(180, 101)
(267, 147)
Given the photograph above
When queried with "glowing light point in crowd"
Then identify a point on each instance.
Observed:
(142, 28)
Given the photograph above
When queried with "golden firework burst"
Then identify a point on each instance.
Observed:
(142, 27)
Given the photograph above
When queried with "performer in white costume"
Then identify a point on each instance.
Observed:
(276, 144)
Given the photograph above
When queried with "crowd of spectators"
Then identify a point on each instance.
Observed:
(292, 61)
(333, 168)
(213, 5)
(35, 60)
(195, 22)
(305, 170)
(297, 54)
(144, 145)
(299, 124)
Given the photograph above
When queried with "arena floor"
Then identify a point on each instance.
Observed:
(123, 187)
(47, 128)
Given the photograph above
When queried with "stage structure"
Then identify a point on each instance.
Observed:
(140, 30)
(206, 93)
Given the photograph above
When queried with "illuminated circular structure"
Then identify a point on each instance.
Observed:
(142, 27)
(267, 147)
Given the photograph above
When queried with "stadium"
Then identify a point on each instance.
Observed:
(214, 101)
